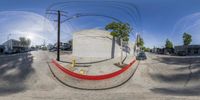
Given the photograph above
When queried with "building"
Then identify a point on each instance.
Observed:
(12, 46)
(50, 46)
(158, 50)
(97, 43)
(187, 50)
(63, 46)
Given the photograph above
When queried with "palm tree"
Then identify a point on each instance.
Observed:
(121, 31)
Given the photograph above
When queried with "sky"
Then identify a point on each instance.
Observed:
(154, 20)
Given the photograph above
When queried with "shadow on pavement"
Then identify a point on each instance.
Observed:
(193, 91)
(14, 70)
(178, 60)
(186, 72)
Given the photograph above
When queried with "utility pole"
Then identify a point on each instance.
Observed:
(44, 42)
(137, 45)
(58, 38)
(63, 13)
(9, 36)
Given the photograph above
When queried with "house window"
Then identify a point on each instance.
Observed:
(196, 51)
(189, 51)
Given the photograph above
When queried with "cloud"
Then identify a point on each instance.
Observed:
(28, 24)
(190, 24)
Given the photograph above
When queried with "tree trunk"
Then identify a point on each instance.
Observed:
(113, 48)
(121, 58)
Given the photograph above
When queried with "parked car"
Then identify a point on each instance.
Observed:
(181, 53)
(141, 56)
(65, 47)
(8, 52)
(53, 49)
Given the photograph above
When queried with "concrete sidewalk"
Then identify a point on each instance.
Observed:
(80, 83)
(93, 66)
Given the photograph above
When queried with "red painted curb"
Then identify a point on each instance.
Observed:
(92, 77)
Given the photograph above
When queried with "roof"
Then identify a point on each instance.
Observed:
(189, 46)
(13, 40)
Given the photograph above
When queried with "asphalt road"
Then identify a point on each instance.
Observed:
(174, 75)
(23, 72)
(27, 76)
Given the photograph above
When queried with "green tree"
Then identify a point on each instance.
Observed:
(37, 46)
(70, 42)
(28, 42)
(143, 48)
(187, 39)
(25, 42)
(121, 31)
(168, 44)
(140, 42)
(22, 41)
(146, 49)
